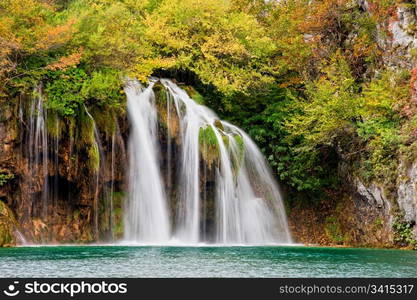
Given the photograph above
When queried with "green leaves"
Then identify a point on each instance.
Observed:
(63, 90)
(403, 233)
(104, 87)
(66, 90)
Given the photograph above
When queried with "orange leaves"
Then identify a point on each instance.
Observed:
(29, 25)
(33, 30)
(383, 8)
(322, 15)
(54, 36)
(67, 61)
(409, 109)
(292, 81)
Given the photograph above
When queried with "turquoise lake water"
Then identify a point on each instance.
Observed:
(280, 261)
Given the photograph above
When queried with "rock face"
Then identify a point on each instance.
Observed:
(356, 216)
(400, 41)
(374, 196)
(7, 226)
(65, 179)
(7, 136)
(407, 195)
(54, 190)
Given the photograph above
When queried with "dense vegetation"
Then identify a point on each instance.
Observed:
(304, 78)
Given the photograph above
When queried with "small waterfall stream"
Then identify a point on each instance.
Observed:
(48, 190)
(38, 147)
(248, 208)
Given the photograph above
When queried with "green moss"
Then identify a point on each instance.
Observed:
(86, 129)
(193, 94)
(208, 137)
(5, 177)
(208, 145)
(219, 125)
(160, 93)
(94, 157)
(54, 125)
(226, 141)
(239, 142)
(378, 223)
(105, 119)
(71, 127)
(118, 225)
(333, 230)
(238, 156)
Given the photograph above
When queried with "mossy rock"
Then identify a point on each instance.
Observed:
(239, 153)
(160, 92)
(209, 146)
(55, 126)
(193, 94)
(7, 225)
(219, 124)
(167, 119)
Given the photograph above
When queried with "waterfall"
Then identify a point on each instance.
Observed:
(192, 178)
(38, 148)
(248, 208)
(48, 184)
(99, 147)
(146, 212)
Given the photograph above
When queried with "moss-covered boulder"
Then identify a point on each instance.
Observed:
(7, 225)
(167, 114)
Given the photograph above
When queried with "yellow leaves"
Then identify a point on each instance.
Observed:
(32, 28)
(145, 67)
(160, 32)
(218, 46)
(6, 29)
(8, 43)
(26, 23)
(223, 47)
(67, 61)
(31, 13)
(385, 93)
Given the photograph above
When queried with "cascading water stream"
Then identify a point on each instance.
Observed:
(46, 184)
(98, 146)
(38, 146)
(248, 207)
(146, 212)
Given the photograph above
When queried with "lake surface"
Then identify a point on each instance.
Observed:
(279, 261)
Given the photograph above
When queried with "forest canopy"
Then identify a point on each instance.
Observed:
(304, 78)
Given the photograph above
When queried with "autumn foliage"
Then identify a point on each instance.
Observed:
(305, 78)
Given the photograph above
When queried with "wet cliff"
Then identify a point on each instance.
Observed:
(59, 178)
(63, 172)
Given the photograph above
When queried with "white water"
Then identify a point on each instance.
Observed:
(42, 152)
(248, 204)
(146, 214)
(38, 147)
